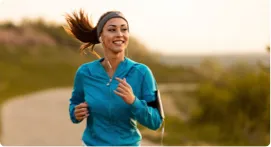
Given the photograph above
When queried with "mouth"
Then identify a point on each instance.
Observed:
(118, 42)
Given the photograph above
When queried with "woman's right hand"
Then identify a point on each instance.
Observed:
(81, 111)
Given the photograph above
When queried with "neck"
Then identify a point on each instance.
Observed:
(112, 60)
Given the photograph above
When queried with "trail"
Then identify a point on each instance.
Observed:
(41, 119)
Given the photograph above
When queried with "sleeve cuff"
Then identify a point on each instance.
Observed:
(136, 105)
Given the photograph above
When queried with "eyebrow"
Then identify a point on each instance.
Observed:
(116, 25)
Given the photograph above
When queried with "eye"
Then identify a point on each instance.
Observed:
(112, 30)
(124, 29)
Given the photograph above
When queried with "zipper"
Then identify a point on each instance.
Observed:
(110, 96)
(108, 84)
(110, 80)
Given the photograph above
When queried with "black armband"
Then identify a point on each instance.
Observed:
(157, 103)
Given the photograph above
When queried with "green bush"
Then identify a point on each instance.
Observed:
(237, 100)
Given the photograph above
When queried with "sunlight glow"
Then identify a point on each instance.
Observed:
(176, 26)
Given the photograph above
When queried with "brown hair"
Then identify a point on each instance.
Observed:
(81, 28)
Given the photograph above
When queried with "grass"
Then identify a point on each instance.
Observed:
(25, 71)
(28, 69)
(180, 133)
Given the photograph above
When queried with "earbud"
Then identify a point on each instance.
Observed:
(100, 39)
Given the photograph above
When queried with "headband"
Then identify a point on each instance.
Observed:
(110, 15)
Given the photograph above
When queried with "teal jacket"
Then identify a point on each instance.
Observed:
(112, 122)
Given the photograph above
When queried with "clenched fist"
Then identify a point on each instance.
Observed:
(81, 111)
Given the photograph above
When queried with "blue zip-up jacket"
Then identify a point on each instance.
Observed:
(112, 122)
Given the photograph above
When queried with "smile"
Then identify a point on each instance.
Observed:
(119, 42)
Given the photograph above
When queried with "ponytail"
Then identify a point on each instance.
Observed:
(83, 30)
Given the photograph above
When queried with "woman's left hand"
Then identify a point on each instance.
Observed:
(125, 91)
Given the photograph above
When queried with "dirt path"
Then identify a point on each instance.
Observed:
(41, 119)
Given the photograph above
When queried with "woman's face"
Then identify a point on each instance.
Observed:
(115, 35)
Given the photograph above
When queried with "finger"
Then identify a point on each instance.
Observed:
(82, 114)
(126, 83)
(119, 94)
(82, 105)
(80, 110)
(121, 90)
(123, 87)
(79, 106)
(122, 81)
(80, 118)
(86, 115)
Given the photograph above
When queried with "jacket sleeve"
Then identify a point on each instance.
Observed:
(77, 95)
(144, 114)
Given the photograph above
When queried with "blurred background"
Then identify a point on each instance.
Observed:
(209, 57)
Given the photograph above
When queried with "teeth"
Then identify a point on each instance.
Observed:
(118, 42)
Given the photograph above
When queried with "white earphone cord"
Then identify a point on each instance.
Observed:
(163, 131)
(100, 39)
(127, 52)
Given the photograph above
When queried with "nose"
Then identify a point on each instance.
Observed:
(119, 33)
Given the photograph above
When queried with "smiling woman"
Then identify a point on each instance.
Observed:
(113, 93)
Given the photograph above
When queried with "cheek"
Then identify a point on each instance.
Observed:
(108, 42)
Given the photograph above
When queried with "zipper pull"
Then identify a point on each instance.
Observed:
(109, 82)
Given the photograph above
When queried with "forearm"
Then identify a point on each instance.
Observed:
(77, 95)
(146, 115)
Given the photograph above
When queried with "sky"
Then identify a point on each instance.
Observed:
(168, 26)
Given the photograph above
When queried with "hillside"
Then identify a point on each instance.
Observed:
(37, 55)
(225, 60)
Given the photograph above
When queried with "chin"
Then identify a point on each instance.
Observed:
(117, 50)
